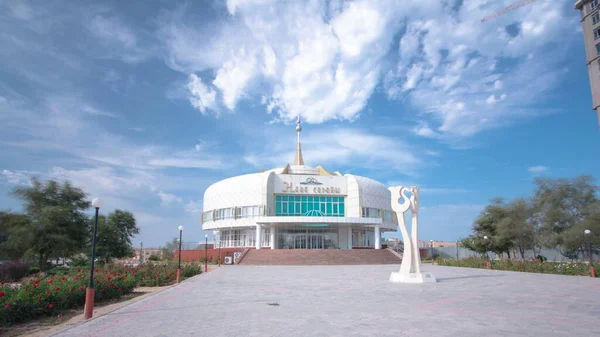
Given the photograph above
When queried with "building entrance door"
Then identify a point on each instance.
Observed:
(315, 242)
(308, 241)
(302, 238)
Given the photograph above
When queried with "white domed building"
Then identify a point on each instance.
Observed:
(298, 207)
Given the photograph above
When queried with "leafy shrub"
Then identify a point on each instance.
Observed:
(80, 261)
(13, 272)
(46, 296)
(154, 258)
(60, 270)
(529, 266)
(33, 270)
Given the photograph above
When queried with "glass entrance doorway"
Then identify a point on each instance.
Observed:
(308, 238)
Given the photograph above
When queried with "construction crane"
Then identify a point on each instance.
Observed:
(507, 9)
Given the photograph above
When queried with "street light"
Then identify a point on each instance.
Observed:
(141, 253)
(88, 311)
(587, 233)
(431, 250)
(205, 253)
(487, 262)
(179, 266)
(457, 243)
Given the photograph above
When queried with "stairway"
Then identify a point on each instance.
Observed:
(295, 257)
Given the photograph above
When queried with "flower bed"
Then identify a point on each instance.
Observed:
(48, 295)
(529, 266)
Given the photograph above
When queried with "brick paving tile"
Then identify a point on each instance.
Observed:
(359, 301)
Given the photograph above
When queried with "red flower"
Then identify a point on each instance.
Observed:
(96, 270)
(120, 289)
(108, 278)
(50, 281)
(1, 293)
(102, 290)
(6, 306)
(34, 286)
(63, 278)
(57, 289)
(37, 282)
(39, 298)
(111, 285)
(50, 306)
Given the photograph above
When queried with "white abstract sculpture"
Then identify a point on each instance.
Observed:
(410, 269)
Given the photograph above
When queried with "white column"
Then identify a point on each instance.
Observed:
(377, 237)
(258, 236)
(349, 237)
(273, 237)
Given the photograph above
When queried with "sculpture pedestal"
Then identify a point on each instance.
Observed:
(397, 277)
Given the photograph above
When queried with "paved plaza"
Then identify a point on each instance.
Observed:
(359, 301)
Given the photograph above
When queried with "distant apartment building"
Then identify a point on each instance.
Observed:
(148, 252)
(590, 24)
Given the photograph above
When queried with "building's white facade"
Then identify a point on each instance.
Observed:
(298, 207)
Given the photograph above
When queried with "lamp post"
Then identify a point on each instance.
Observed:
(205, 253)
(487, 257)
(141, 253)
(431, 250)
(587, 233)
(457, 242)
(88, 311)
(179, 264)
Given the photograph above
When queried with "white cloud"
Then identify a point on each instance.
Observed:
(340, 147)
(17, 177)
(120, 39)
(186, 163)
(193, 207)
(424, 130)
(168, 198)
(202, 97)
(313, 59)
(537, 169)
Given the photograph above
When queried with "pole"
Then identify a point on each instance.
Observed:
(487, 256)
(141, 253)
(89, 292)
(431, 251)
(219, 243)
(589, 244)
(205, 254)
(456, 250)
(179, 265)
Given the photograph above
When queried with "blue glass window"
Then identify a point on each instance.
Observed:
(303, 205)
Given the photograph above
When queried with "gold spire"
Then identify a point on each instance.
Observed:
(298, 160)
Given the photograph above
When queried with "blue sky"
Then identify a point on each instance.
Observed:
(145, 105)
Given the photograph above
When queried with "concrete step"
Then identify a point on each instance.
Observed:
(319, 257)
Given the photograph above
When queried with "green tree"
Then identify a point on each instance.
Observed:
(114, 235)
(516, 227)
(16, 236)
(169, 249)
(487, 224)
(565, 206)
(57, 222)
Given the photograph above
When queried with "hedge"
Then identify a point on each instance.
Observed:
(529, 266)
(51, 294)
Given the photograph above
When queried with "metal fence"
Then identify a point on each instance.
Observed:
(461, 253)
